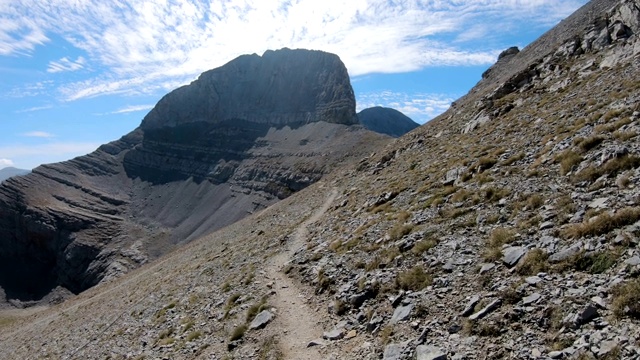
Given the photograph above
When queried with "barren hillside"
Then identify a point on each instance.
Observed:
(507, 228)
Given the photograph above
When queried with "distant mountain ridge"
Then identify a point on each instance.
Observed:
(386, 121)
(234, 141)
(8, 172)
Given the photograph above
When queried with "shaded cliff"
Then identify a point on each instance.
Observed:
(234, 141)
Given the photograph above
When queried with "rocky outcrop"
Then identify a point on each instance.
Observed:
(599, 28)
(386, 121)
(234, 141)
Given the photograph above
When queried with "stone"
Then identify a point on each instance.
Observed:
(428, 352)
(536, 353)
(335, 334)
(486, 268)
(486, 310)
(533, 280)
(261, 320)
(587, 314)
(316, 342)
(351, 334)
(546, 225)
(468, 310)
(401, 313)
(375, 321)
(599, 302)
(606, 347)
(393, 352)
(512, 255)
(599, 203)
(454, 329)
(633, 261)
(556, 354)
(528, 300)
(452, 175)
(566, 252)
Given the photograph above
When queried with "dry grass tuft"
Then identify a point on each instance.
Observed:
(603, 223)
(414, 279)
(534, 262)
(626, 299)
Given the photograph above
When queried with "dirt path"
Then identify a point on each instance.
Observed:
(298, 323)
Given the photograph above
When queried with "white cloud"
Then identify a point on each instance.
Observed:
(420, 107)
(38, 134)
(5, 163)
(65, 64)
(133, 108)
(148, 46)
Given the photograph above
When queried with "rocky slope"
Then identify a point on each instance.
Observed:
(507, 228)
(236, 140)
(386, 121)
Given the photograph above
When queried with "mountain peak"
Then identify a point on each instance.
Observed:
(280, 88)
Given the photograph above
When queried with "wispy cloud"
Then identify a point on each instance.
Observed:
(148, 46)
(418, 106)
(133, 108)
(35, 108)
(65, 64)
(5, 163)
(38, 134)
(32, 89)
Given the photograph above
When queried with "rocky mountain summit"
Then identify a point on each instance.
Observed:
(233, 142)
(506, 228)
(386, 121)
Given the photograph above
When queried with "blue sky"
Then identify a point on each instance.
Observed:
(80, 73)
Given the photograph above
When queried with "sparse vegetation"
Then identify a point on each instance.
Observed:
(399, 230)
(610, 168)
(194, 335)
(254, 309)
(424, 246)
(589, 143)
(603, 223)
(534, 262)
(568, 160)
(626, 299)
(238, 332)
(535, 201)
(414, 279)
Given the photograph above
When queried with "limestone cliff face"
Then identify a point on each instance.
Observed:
(236, 140)
(279, 88)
